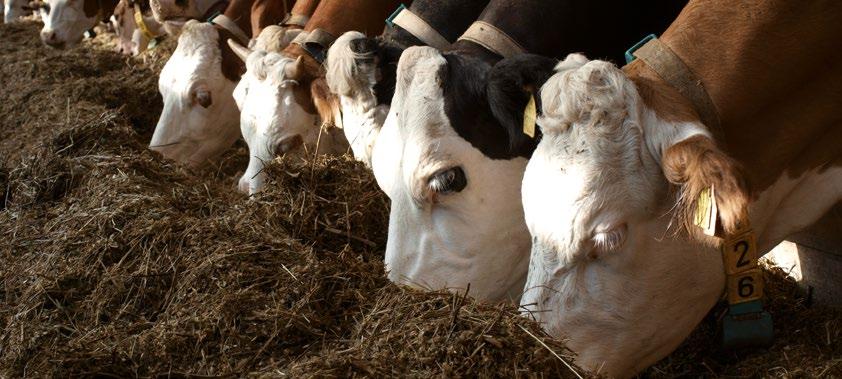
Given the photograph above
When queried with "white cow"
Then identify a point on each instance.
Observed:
(455, 220)
(199, 120)
(613, 267)
(66, 21)
(272, 120)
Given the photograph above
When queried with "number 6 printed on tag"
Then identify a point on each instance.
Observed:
(746, 286)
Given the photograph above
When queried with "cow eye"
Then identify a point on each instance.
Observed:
(448, 181)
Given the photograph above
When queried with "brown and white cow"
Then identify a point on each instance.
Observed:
(200, 119)
(625, 155)
(451, 153)
(286, 104)
(66, 21)
(135, 26)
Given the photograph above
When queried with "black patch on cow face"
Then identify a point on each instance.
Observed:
(485, 104)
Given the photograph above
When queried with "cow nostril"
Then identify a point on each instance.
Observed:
(288, 144)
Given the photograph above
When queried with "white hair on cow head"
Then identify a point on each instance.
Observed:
(587, 92)
(349, 72)
(274, 38)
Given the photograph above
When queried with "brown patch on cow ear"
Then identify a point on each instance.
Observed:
(696, 164)
(327, 104)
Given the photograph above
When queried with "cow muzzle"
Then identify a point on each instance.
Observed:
(50, 38)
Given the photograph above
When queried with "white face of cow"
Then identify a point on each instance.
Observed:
(65, 22)
(200, 118)
(455, 219)
(14, 9)
(605, 270)
(352, 77)
(125, 27)
(271, 121)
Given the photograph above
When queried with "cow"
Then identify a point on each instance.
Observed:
(361, 70)
(445, 156)
(175, 13)
(66, 21)
(299, 115)
(199, 119)
(135, 27)
(618, 266)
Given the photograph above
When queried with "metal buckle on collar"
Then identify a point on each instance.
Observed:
(390, 20)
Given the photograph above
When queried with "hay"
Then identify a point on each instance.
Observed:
(119, 263)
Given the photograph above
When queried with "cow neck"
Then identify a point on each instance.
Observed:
(300, 14)
(265, 13)
(337, 17)
(794, 96)
(448, 17)
(560, 24)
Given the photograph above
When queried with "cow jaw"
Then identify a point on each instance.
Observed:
(606, 269)
(65, 23)
(199, 120)
(438, 239)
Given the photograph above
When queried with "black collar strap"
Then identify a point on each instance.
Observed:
(315, 43)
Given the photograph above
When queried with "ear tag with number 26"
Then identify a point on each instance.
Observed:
(530, 114)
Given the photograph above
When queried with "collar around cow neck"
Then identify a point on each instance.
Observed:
(493, 39)
(298, 20)
(419, 28)
(669, 67)
(315, 43)
(141, 24)
(228, 24)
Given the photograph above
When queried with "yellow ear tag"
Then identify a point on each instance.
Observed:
(529, 116)
(706, 211)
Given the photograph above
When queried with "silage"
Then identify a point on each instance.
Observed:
(117, 262)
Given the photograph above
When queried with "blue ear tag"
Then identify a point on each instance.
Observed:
(630, 52)
(389, 21)
(747, 325)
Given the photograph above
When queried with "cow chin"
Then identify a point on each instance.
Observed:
(624, 311)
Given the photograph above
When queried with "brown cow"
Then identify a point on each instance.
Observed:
(737, 101)
(284, 98)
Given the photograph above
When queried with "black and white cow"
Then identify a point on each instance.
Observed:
(452, 152)
(361, 70)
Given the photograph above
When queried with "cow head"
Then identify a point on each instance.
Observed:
(607, 270)
(452, 170)
(124, 26)
(286, 108)
(199, 119)
(66, 21)
(14, 9)
(354, 68)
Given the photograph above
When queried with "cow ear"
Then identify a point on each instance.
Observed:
(511, 84)
(295, 70)
(696, 164)
(350, 64)
(327, 104)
